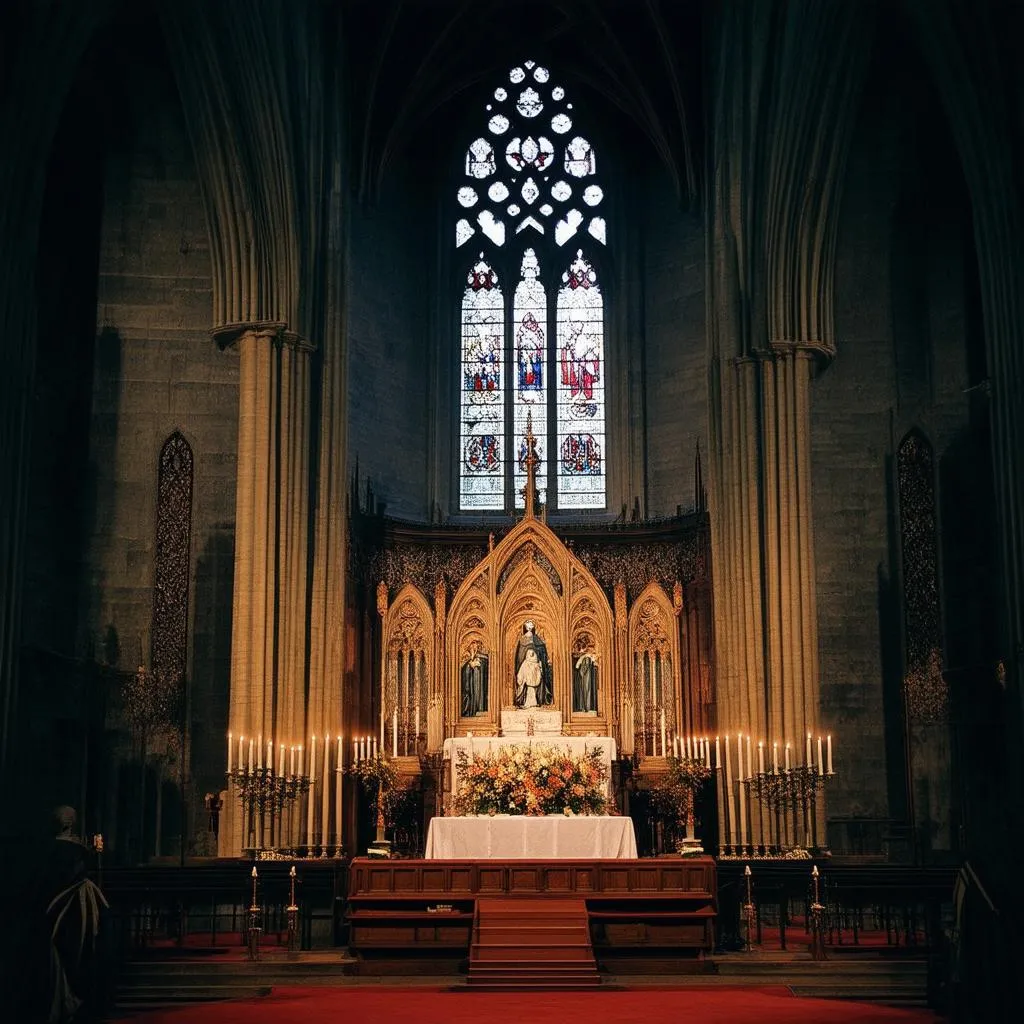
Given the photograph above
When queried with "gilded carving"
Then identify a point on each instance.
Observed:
(440, 599)
(382, 599)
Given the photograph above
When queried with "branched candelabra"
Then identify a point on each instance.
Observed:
(791, 792)
(268, 805)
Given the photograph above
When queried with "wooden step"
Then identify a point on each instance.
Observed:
(530, 944)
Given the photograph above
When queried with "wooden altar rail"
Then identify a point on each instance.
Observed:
(419, 914)
(206, 904)
(900, 905)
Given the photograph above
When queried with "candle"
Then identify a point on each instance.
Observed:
(312, 760)
(229, 752)
(302, 762)
(730, 814)
(259, 751)
(280, 761)
(718, 754)
(270, 756)
(375, 755)
(241, 762)
(741, 775)
(821, 762)
(787, 757)
(394, 733)
(829, 742)
(775, 757)
(355, 750)
(309, 798)
(250, 755)
(808, 762)
(760, 757)
(337, 800)
(291, 762)
(707, 752)
(325, 792)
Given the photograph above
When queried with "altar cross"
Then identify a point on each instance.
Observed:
(531, 462)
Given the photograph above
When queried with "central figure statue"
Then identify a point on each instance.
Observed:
(533, 685)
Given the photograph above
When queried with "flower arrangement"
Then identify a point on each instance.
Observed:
(533, 781)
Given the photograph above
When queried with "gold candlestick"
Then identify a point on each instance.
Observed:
(293, 919)
(817, 935)
(255, 923)
(748, 910)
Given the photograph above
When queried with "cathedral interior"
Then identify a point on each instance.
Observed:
(285, 285)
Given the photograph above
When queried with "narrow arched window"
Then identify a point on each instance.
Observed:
(529, 188)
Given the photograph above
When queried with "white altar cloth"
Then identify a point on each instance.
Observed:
(516, 837)
(575, 745)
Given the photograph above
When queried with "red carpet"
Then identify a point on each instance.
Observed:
(408, 1005)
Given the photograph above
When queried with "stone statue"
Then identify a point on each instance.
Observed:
(533, 685)
(584, 682)
(474, 682)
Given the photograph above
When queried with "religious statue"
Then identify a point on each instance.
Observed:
(474, 681)
(584, 682)
(533, 686)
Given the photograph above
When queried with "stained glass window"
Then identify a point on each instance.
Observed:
(529, 187)
(580, 403)
(483, 415)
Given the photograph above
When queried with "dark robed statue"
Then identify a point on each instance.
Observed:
(584, 682)
(533, 685)
(474, 682)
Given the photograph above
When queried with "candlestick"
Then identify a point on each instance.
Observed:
(821, 760)
(325, 795)
(829, 742)
(230, 746)
(337, 800)
(730, 814)
(760, 757)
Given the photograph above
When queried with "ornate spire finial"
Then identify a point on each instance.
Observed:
(530, 462)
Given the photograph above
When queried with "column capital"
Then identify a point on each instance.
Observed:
(226, 335)
(820, 351)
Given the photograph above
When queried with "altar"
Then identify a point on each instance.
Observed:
(517, 837)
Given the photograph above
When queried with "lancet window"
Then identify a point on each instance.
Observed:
(530, 187)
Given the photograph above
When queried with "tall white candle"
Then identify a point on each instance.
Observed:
(355, 750)
(270, 756)
(280, 761)
(787, 757)
(259, 751)
(374, 754)
(325, 793)
(394, 733)
(808, 762)
(337, 800)
(718, 753)
(364, 747)
(775, 757)
(821, 760)
(230, 748)
(829, 744)
(730, 814)
(312, 760)
(707, 752)
(250, 755)
(291, 761)
(241, 762)
(742, 796)
(760, 757)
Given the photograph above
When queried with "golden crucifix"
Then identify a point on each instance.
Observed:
(531, 462)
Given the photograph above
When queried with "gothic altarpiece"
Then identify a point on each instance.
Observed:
(623, 615)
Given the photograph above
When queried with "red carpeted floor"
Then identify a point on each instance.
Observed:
(415, 1005)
